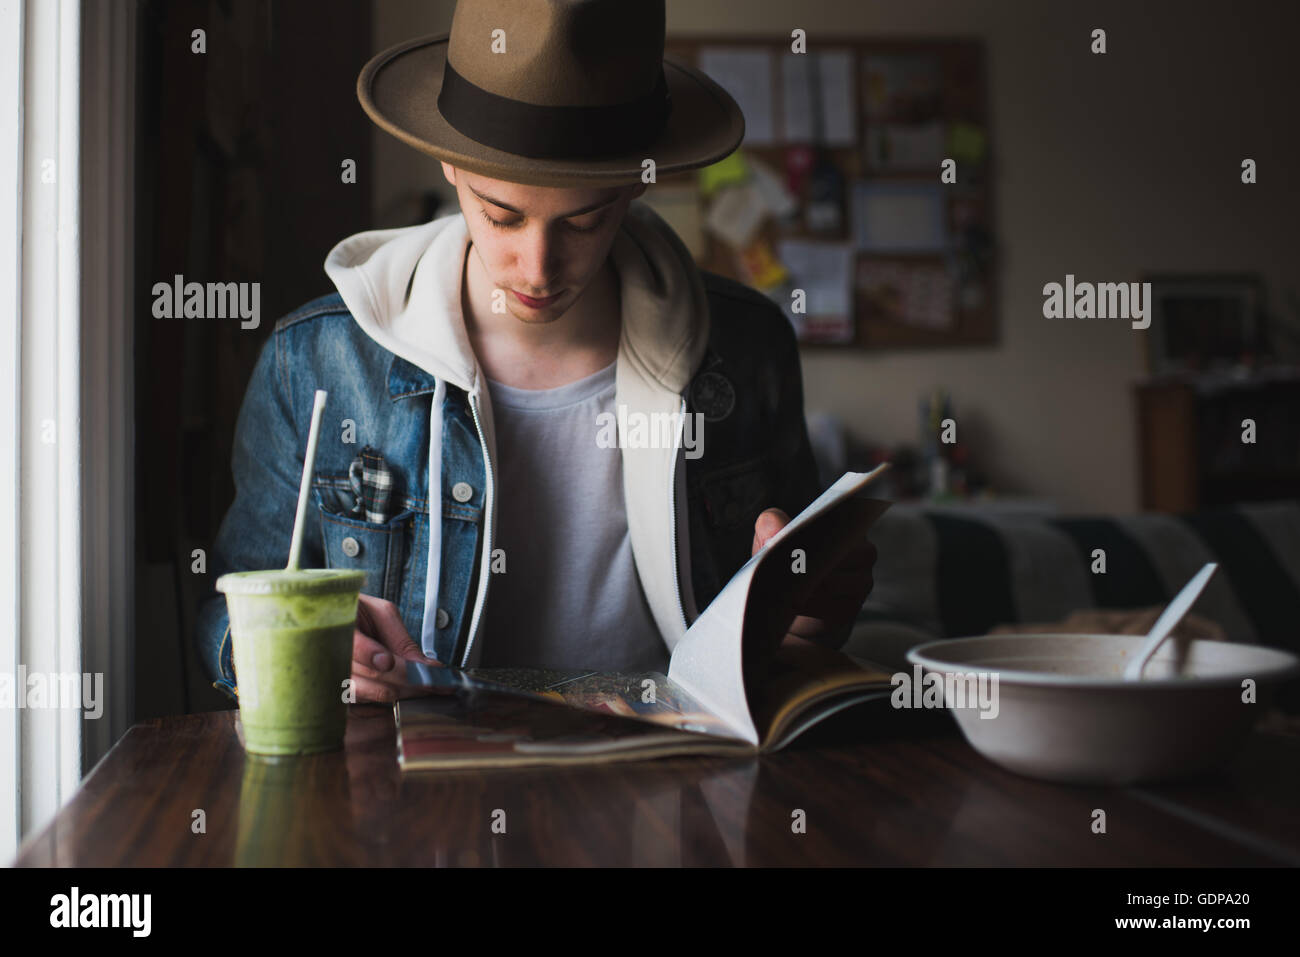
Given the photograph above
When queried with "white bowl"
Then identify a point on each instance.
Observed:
(1065, 713)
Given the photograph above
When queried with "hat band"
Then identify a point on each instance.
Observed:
(553, 132)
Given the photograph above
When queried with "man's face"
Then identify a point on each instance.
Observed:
(539, 242)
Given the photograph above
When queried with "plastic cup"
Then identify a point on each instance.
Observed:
(292, 634)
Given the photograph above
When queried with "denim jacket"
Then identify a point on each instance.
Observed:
(391, 349)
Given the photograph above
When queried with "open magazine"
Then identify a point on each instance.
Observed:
(735, 684)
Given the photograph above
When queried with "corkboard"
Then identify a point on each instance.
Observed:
(951, 94)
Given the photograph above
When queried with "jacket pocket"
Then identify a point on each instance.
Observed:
(334, 493)
(733, 496)
(379, 550)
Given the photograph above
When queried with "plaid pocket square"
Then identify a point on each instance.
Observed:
(372, 484)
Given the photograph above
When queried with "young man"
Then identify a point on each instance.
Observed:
(478, 366)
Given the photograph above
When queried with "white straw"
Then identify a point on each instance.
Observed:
(304, 491)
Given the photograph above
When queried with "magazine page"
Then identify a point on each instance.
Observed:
(501, 716)
(650, 696)
(474, 725)
(806, 683)
(709, 662)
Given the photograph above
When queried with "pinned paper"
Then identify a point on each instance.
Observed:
(747, 75)
(899, 217)
(966, 143)
(736, 214)
(732, 170)
(904, 146)
(824, 271)
(902, 87)
(771, 190)
(839, 104)
(761, 268)
(914, 294)
(798, 162)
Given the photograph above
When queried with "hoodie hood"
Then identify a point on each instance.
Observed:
(403, 288)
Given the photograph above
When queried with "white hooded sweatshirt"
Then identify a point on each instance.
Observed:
(403, 287)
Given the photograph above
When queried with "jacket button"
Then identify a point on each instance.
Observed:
(442, 618)
(351, 547)
(462, 492)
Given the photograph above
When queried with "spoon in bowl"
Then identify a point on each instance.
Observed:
(1167, 620)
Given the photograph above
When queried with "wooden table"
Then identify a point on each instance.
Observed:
(906, 790)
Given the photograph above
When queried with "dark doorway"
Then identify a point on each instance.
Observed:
(240, 157)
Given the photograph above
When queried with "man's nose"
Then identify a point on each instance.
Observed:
(538, 262)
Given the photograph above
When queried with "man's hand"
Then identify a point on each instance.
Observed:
(381, 647)
(827, 615)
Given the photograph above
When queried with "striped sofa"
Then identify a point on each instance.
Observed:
(950, 573)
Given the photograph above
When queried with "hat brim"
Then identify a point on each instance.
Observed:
(399, 89)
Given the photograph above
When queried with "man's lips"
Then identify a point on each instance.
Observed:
(530, 301)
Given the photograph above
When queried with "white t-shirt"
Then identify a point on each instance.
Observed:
(570, 596)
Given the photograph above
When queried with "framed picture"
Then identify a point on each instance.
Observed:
(1201, 323)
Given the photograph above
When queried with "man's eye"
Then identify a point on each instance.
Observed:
(577, 229)
(495, 223)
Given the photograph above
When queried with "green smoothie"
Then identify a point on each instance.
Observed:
(292, 634)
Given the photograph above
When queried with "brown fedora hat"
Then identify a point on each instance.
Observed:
(552, 93)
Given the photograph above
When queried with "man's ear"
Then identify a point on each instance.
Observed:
(449, 172)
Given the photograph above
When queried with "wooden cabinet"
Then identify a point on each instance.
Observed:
(1206, 441)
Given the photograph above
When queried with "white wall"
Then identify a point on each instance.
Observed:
(1106, 166)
